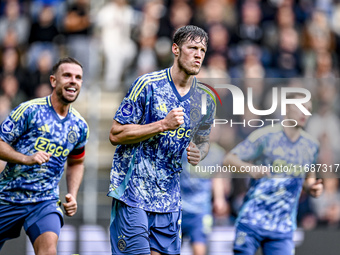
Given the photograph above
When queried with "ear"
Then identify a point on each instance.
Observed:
(53, 81)
(175, 49)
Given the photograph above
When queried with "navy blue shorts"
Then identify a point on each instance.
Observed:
(135, 231)
(247, 241)
(196, 226)
(36, 218)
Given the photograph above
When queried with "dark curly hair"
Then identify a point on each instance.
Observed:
(190, 33)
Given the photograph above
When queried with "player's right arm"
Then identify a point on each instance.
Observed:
(134, 133)
(8, 154)
(247, 151)
(233, 160)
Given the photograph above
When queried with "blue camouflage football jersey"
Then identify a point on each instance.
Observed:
(146, 174)
(35, 126)
(271, 203)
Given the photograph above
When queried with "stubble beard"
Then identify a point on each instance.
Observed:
(63, 99)
(182, 66)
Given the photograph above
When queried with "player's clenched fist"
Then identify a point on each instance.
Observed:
(39, 157)
(315, 190)
(174, 119)
(70, 206)
(194, 154)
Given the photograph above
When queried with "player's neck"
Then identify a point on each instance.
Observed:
(59, 107)
(181, 80)
(293, 133)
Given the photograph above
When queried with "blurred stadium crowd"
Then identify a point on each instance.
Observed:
(118, 40)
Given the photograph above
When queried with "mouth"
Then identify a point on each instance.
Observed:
(71, 90)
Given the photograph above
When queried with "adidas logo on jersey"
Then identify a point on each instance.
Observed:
(44, 128)
(162, 107)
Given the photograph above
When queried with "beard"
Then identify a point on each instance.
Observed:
(182, 65)
(63, 99)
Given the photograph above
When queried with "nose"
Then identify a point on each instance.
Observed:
(73, 79)
(199, 54)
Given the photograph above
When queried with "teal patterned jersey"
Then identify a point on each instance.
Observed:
(35, 126)
(146, 174)
(271, 202)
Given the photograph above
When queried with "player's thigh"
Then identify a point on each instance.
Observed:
(196, 227)
(128, 230)
(12, 219)
(165, 232)
(278, 247)
(50, 223)
(46, 243)
(246, 242)
(44, 217)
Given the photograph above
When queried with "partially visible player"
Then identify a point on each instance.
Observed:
(37, 139)
(157, 120)
(202, 195)
(268, 215)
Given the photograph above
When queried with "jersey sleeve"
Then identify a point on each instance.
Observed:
(15, 124)
(132, 108)
(251, 148)
(205, 126)
(84, 136)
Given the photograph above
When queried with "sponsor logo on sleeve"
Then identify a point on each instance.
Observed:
(7, 126)
(127, 110)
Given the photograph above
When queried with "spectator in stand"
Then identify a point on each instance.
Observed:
(58, 6)
(116, 20)
(247, 32)
(317, 37)
(5, 108)
(327, 208)
(251, 66)
(42, 74)
(249, 28)
(284, 18)
(78, 30)
(147, 57)
(10, 88)
(215, 12)
(14, 24)
(179, 14)
(11, 65)
(43, 90)
(42, 37)
(218, 40)
(287, 56)
(325, 66)
(328, 132)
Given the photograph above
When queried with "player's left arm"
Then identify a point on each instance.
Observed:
(313, 186)
(198, 150)
(74, 176)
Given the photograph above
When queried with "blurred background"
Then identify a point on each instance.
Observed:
(118, 40)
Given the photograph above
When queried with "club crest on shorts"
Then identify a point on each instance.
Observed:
(121, 244)
(240, 238)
